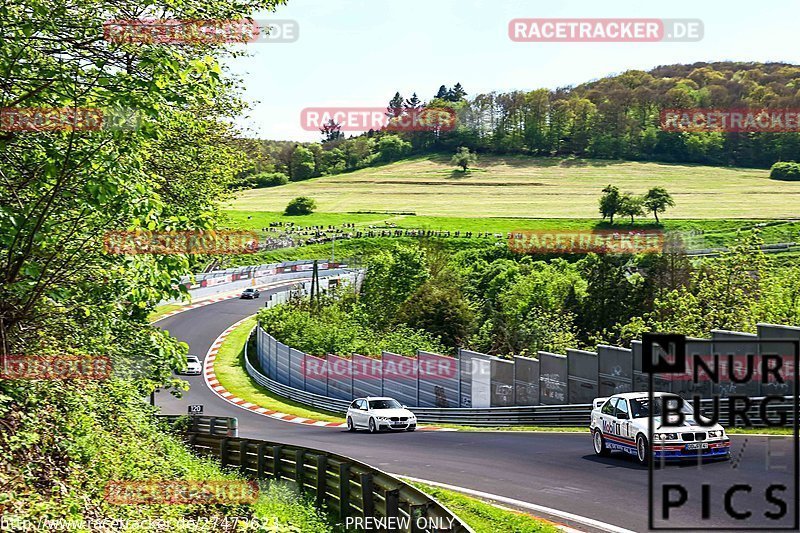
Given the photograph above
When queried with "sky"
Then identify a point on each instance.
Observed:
(358, 53)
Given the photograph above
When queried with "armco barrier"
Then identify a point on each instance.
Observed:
(477, 380)
(347, 486)
(223, 426)
(567, 415)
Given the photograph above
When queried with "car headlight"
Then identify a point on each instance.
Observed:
(383, 418)
(716, 433)
(665, 436)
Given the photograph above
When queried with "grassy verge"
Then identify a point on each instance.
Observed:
(281, 508)
(162, 310)
(231, 373)
(484, 517)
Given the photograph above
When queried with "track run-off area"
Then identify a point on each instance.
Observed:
(553, 475)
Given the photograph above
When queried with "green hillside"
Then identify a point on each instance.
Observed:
(518, 186)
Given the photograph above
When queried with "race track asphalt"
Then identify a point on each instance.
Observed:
(556, 470)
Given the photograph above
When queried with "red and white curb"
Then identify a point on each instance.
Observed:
(213, 383)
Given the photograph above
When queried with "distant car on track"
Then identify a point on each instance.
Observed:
(250, 293)
(620, 422)
(193, 366)
(376, 414)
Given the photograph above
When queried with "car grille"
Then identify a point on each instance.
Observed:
(691, 437)
(399, 419)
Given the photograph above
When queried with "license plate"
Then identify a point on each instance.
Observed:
(697, 446)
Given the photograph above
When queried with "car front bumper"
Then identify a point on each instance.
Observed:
(395, 427)
(720, 448)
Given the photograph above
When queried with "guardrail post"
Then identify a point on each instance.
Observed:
(415, 512)
(194, 426)
(276, 461)
(243, 456)
(322, 474)
(393, 503)
(344, 490)
(233, 427)
(212, 424)
(367, 494)
(299, 470)
(261, 459)
(223, 452)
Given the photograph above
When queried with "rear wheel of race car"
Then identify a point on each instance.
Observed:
(599, 444)
(642, 450)
(350, 425)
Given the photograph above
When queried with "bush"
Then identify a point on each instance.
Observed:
(392, 148)
(269, 179)
(302, 205)
(785, 170)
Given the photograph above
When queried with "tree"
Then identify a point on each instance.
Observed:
(463, 158)
(443, 92)
(392, 147)
(414, 102)
(392, 276)
(657, 200)
(440, 309)
(457, 93)
(395, 108)
(630, 205)
(331, 131)
(302, 205)
(610, 202)
(303, 164)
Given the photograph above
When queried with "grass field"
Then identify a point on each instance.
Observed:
(526, 187)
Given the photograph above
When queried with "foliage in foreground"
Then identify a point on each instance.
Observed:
(57, 462)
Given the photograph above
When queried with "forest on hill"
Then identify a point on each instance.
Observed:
(616, 117)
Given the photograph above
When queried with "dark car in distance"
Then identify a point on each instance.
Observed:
(250, 293)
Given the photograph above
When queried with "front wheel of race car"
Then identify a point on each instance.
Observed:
(642, 450)
(599, 444)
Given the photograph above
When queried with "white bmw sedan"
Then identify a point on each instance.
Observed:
(621, 422)
(376, 414)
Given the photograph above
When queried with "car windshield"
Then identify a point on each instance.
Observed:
(192, 359)
(249, 290)
(384, 404)
(641, 407)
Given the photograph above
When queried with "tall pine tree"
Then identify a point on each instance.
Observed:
(395, 108)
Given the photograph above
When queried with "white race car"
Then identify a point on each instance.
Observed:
(620, 422)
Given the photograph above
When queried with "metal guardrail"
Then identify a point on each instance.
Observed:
(540, 415)
(347, 486)
(224, 426)
(310, 399)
